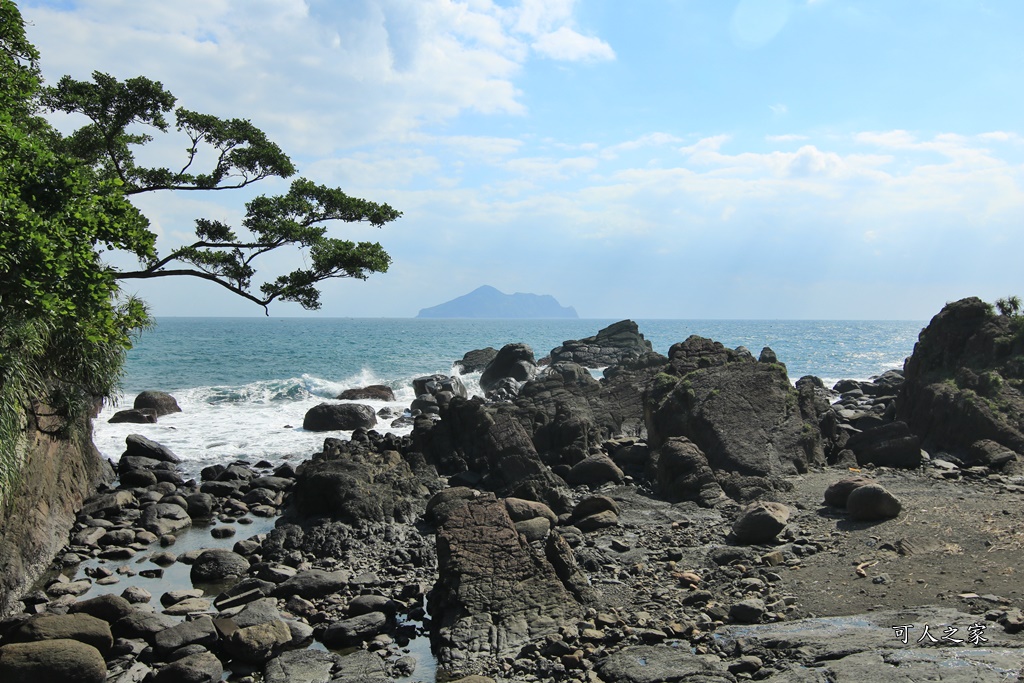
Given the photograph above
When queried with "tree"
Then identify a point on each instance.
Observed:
(64, 323)
(1008, 306)
(241, 155)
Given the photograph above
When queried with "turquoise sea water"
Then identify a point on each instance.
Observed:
(245, 383)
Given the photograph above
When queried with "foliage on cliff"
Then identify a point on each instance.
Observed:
(65, 200)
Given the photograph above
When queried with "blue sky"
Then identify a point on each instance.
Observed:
(650, 159)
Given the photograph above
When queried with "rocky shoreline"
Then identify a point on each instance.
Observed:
(689, 517)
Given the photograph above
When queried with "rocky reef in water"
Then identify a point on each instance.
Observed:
(694, 516)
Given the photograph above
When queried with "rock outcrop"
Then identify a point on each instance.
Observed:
(58, 473)
(327, 417)
(513, 365)
(494, 592)
(964, 381)
(742, 414)
(617, 343)
(487, 446)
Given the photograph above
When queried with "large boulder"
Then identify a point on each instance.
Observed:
(744, 415)
(136, 445)
(52, 661)
(357, 488)
(760, 522)
(327, 417)
(963, 381)
(513, 362)
(160, 402)
(494, 592)
(374, 392)
(679, 471)
(81, 627)
(165, 518)
(489, 443)
(614, 344)
(218, 564)
(475, 361)
(872, 502)
(888, 445)
(201, 667)
(562, 409)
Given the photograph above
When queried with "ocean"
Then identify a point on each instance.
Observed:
(244, 384)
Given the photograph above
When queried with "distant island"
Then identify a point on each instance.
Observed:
(488, 302)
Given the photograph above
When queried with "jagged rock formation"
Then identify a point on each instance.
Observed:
(358, 482)
(487, 446)
(614, 344)
(742, 414)
(964, 382)
(494, 593)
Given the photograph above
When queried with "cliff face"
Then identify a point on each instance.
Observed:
(58, 474)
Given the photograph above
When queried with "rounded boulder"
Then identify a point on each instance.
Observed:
(328, 417)
(53, 661)
(872, 502)
(217, 565)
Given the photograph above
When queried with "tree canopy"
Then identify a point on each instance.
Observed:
(66, 199)
(240, 154)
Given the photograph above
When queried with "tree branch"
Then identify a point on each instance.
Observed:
(146, 274)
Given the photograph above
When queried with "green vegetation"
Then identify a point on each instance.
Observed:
(1009, 306)
(64, 200)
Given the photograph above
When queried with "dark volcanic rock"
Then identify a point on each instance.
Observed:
(614, 344)
(159, 401)
(374, 392)
(837, 494)
(490, 441)
(889, 445)
(513, 361)
(328, 417)
(872, 502)
(135, 416)
(140, 446)
(963, 381)
(358, 487)
(81, 627)
(476, 361)
(201, 667)
(494, 594)
(59, 661)
(218, 564)
(354, 630)
(760, 522)
(680, 471)
(745, 416)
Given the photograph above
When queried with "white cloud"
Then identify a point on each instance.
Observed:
(779, 109)
(786, 138)
(320, 78)
(567, 45)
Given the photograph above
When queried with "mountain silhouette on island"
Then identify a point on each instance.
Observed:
(488, 302)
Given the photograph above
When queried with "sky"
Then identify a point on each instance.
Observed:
(751, 159)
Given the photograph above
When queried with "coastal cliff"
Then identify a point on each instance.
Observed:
(58, 473)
